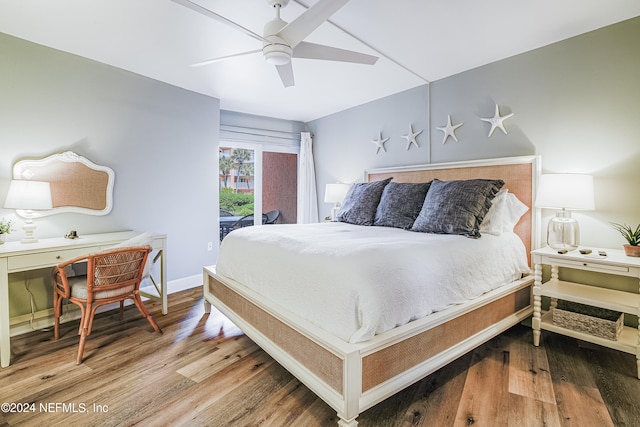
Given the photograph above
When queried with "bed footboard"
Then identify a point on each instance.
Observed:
(353, 377)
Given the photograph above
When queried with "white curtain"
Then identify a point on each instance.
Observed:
(307, 198)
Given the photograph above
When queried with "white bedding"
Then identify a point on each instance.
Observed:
(356, 281)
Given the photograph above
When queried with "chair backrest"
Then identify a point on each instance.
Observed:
(272, 216)
(116, 268)
(224, 212)
(247, 221)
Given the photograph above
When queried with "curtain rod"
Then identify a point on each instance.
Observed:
(246, 130)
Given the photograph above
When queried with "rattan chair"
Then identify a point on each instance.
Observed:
(112, 276)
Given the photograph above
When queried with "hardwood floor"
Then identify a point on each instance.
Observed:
(204, 371)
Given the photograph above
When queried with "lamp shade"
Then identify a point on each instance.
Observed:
(565, 191)
(28, 195)
(335, 193)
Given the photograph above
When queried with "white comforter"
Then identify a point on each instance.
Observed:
(356, 281)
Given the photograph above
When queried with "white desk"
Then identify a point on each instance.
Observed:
(16, 256)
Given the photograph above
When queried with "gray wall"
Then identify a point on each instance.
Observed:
(343, 146)
(576, 103)
(160, 140)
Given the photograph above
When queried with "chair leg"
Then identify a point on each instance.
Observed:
(83, 312)
(57, 312)
(143, 310)
(84, 331)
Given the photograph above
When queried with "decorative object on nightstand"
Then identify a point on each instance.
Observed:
(631, 236)
(565, 191)
(335, 193)
(28, 196)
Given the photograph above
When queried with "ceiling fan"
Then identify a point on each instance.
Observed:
(282, 41)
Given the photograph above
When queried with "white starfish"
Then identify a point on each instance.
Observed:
(411, 137)
(449, 130)
(380, 143)
(497, 121)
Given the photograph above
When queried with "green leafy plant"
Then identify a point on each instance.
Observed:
(5, 226)
(236, 203)
(630, 235)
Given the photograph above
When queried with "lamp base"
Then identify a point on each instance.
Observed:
(29, 227)
(334, 212)
(563, 232)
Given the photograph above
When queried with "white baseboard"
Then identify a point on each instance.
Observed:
(184, 283)
(43, 319)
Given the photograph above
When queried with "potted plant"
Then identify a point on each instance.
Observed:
(5, 228)
(631, 236)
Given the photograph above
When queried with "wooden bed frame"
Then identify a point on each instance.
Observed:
(353, 377)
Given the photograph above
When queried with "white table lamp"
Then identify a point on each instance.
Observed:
(28, 196)
(335, 193)
(565, 191)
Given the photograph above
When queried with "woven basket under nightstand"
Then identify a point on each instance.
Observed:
(596, 321)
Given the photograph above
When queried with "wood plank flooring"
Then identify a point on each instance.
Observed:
(204, 372)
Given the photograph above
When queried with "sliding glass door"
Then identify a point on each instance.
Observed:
(254, 181)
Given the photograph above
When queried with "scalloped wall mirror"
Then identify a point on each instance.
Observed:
(77, 184)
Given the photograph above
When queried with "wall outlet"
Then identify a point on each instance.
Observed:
(210, 246)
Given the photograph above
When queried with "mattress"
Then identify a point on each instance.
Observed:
(358, 281)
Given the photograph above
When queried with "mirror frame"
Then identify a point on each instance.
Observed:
(56, 170)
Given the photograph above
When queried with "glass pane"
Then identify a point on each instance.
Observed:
(237, 172)
(279, 186)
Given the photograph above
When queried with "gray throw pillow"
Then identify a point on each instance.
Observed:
(457, 207)
(400, 204)
(360, 203)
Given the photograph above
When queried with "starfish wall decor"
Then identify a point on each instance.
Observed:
(380, 143)
(449, 130)
(411, 137)
(497, 121)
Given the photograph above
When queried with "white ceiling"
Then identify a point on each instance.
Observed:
(418, 41)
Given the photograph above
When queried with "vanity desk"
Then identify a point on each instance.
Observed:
(17, 257)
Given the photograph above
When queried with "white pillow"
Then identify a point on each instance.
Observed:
(143, 239)
(514, 211)
(505, 212)
(492, 222)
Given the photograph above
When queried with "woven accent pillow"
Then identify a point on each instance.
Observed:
(400, 204)
(456, 207)
(360, 203)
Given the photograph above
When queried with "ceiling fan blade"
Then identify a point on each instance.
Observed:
(206, 12)
(286, 74)
(318, 51)
(298, 29)
(223, 58)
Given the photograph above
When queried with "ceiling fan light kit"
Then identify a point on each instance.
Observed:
(275, 49)
(282, 41)
(277, 54)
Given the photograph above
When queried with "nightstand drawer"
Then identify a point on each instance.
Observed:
(590, 265)
(45, 259)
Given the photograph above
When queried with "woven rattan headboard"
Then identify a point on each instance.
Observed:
(77, 184)
(519, 174)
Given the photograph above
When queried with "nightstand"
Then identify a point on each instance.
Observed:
(616, 263)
